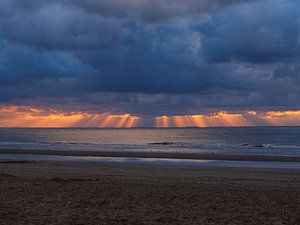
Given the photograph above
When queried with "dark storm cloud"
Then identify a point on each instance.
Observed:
(147, 10)
(150, 56)
(153, 10)
(89, 25)
(57, 27)
(261, 32)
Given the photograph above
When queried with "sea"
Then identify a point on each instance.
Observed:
(275, 141)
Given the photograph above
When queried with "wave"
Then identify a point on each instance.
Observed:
(170, 147)
(225, 145)
(162, 144)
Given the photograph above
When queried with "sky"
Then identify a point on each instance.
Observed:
(127, 63)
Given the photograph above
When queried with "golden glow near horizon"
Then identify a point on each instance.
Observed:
(162, 121)
(286, 118)
(219, 119)
(13, 116)
(31, 117)
(120, 121)
(24, 116)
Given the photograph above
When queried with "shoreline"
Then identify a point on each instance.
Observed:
(26, 158)
(161, 155)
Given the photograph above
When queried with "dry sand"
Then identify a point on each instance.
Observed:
(86, 193)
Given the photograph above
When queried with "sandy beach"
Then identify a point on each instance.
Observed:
(89, 193)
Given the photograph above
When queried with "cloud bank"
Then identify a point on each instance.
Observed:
(150, 57)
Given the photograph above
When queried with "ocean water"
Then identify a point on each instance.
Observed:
(240, 140)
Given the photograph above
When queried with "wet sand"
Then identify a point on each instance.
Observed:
(87, 193)
(144, 154)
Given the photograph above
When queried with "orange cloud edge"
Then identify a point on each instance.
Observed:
(25, 116)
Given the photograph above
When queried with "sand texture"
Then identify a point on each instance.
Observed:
(113, 194)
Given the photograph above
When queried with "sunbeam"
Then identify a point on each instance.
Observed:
(24, 116)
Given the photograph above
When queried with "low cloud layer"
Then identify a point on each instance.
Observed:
(150, 57)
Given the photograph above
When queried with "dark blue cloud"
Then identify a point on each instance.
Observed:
(192, 56)
(261, 32)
